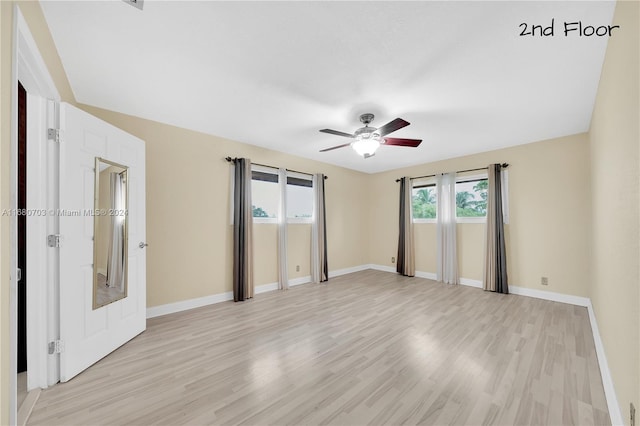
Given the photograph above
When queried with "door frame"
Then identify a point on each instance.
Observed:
(30, 69)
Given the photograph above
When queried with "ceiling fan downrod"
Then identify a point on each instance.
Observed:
(366, 118)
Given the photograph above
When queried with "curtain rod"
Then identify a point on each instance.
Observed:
(504, 166)
(229, 159)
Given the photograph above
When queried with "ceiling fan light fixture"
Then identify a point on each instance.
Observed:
(366, 140)
(366, 144)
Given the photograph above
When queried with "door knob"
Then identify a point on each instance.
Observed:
(142, 245)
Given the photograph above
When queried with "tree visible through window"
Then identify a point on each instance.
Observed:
(424, 202)
(259, 212)
(471, 198)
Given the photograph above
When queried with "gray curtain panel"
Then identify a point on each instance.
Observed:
(319, 264)
(406, 263)
(495, 264)
(242, 231)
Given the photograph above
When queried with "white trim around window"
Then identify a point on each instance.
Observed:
(296, 220)
(273, 220)
(419, 220)
(482, 219)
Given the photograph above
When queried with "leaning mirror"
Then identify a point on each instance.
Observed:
(110, 233)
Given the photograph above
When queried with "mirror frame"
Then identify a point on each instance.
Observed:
(96, 198)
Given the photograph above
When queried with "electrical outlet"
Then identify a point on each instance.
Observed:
(393, 260)
(632, 415)
(544, 281)
(297, 268)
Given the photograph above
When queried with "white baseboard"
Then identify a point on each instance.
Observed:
(262, 289)
(549, 295)
(184, 305)
(300, 280)
(351, 270)
(383, 268)
(471, 283)
(427, 275)
(607, 381)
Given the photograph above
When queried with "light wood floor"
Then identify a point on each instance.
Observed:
(368, 348)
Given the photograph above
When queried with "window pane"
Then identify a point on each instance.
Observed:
(267, 177)
(299, 201)
(424, 202)
(264, 197)
(291, 180)
(471, 198)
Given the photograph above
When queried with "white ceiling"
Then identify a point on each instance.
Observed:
(273, 73)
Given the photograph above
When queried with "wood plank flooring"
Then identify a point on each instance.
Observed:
(366, 348)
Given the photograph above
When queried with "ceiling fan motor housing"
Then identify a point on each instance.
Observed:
(366, 133)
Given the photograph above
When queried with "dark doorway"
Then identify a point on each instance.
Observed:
(22, 228)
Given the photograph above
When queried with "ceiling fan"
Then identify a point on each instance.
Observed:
(368, 139)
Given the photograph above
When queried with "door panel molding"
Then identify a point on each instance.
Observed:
(90, 334)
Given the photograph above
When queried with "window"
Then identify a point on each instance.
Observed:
(424, 202)
(299, 198)
(264, 195)
(471, 197)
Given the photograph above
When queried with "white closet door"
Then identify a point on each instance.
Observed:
(87, 334)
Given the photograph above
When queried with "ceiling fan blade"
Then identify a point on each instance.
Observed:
(402, 142)
(392, 126)
(337, 133)
(335, 147)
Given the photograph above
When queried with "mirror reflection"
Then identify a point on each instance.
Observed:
(110, 233)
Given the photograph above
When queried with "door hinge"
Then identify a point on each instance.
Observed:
(54, 240)
(54, 135)
(19, 275)
(56, 347)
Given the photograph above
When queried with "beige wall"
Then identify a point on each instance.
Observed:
(614, 139)
(549, 228)
(300, 252)
(188, 226)
(470, 246)
(265, 238)
(265, 264)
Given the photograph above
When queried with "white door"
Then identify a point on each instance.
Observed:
(88, 335)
